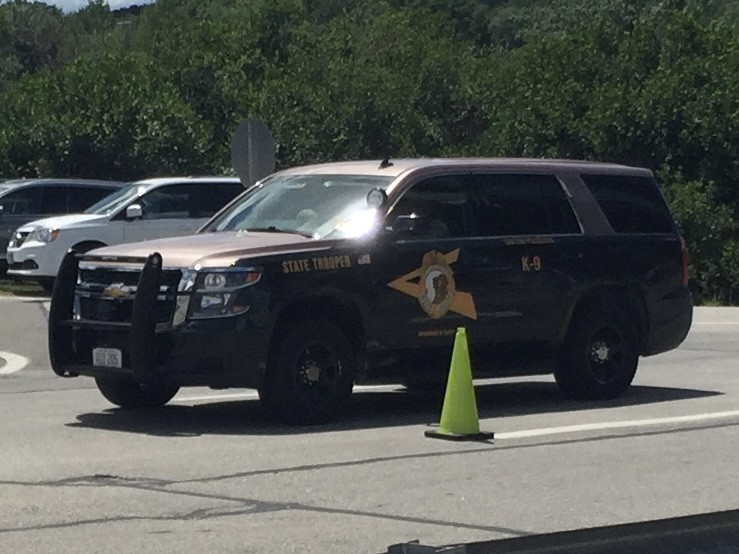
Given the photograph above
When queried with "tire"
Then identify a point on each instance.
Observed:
(132, 395)
(310, 374)
(600, 355)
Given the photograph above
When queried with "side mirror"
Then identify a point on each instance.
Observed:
(134, 211)
(410, 225)
(377, 198)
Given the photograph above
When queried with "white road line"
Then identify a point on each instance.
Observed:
(616, 425)
(206, 397)
(253, 393)
(13, 363)
(529, 433)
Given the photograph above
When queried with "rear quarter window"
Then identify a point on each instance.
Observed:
(631, 204)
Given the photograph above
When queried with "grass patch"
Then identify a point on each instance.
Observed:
(9, 287)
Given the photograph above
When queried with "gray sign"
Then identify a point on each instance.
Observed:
(252, 151)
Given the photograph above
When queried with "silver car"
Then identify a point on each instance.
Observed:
(22, 201)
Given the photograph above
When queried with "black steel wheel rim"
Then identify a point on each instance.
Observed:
(606, 355)
(317, 373)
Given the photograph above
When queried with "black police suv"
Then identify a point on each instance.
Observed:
(324, 276)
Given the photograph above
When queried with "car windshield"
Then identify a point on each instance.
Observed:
(114, 201)
(316, 206)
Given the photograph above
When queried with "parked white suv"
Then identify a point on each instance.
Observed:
(152, 208)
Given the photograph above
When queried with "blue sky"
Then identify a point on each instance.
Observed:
(74, 5)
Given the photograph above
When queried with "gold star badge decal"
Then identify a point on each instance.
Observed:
(433, 286)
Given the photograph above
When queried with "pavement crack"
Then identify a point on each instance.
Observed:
(248, 506)
(196, 515)
(418, 456)
(244, 506)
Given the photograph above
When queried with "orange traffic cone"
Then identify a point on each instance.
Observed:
(459, 419)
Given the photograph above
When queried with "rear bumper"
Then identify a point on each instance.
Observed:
(226, 352)
(669, 322)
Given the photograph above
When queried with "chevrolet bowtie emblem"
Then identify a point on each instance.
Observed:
(433, 286)
(114, 291)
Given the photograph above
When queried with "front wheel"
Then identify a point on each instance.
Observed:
(310, 374)
(132, 395)
(600, 355)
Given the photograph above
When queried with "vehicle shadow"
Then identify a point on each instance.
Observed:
(389, 408)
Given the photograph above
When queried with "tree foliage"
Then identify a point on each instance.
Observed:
(161, 88)
(111, 117)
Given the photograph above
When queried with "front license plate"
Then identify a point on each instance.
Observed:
(107, 357)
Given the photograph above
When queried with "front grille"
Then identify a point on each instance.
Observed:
(25, 264)
(107, 294)
(97, 279)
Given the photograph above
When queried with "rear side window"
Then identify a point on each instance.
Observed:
(81, 198)
(516, 204)
(631, 204)
(491, 205)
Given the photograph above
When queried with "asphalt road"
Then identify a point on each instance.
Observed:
(208, 473)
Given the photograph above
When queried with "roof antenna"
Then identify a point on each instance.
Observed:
(386, 163)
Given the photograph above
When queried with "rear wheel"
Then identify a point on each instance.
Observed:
(132, 395)
(600, 356)
(310, 374)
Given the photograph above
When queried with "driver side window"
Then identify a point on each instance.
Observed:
(439, 202)
(167, 202)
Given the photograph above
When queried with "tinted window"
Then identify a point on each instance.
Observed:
(515, 204)
(490, 205)
(81, 198)
(23, 202)
(167, 202)
(440, 201)
(188, 200)
(208, 198)
(54, 200)
(631, 204)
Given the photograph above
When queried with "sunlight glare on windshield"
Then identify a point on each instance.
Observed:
(312, 205)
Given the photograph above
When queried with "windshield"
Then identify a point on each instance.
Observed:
(317, 206)
(114, 201)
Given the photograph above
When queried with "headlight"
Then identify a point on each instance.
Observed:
(216, 293)
(187, 281)
(43, 234)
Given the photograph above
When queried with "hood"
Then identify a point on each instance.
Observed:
(214, 249)
(63, 221)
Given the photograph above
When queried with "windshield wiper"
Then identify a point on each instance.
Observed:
(273, 229)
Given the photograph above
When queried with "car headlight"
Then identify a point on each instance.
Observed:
(215, 293)
(43, 234)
